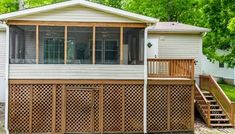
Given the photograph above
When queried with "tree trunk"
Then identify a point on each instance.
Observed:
(21, 4)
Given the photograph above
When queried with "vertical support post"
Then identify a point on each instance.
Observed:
(123, 108)
(121, 45)
(93, 45)
(65, 44)
(53, 109)
(63, 118)
(192, 106)
(92, 111)
(101, 109)
(169, 108)
(208, 115)
(169, 67)
(31, 109)
(37, 44)
(192, 70)
(232, 113)
(209, 84)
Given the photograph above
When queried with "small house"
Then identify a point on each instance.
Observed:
(82, 67)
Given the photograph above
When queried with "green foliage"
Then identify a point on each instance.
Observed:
(112, 3)
(231, 25)
(8, 6)
(218, 14)
(37, 3)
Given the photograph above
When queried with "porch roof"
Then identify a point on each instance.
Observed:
(175, 27)
(84, 3)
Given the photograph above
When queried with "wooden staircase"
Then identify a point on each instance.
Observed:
(216, 111)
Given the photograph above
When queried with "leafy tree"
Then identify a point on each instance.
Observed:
(112, 3)
(217, 15)
(8, 6)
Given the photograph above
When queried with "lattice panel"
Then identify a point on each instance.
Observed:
(134, 108)
(58, 108)
(168, 105)
(19, 108)
(42, 108)
(157, 108)
(180, 115)
(78, 111)
(96, 110)
(112, 108)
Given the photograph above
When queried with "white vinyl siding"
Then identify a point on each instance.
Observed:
(181, 46)
(2, 65)
(60, 71)
(76, 13)
(2, 53)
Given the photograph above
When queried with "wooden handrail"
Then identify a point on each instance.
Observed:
(210, 84)
(219, 89)
(206, 102)
(200, 92)
(174, 68)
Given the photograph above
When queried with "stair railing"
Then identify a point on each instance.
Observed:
(203, 102)
(209, 83)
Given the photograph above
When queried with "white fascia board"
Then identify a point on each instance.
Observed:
(96, 6)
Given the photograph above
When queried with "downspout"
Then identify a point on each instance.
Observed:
(6, 75)
(145, 77)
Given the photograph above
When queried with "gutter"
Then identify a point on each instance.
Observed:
(6, 75)
(145, 77)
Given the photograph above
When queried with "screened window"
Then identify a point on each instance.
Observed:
(133, 46)
(107, 45)
(22, 44)
(51, 45)
(79, 50)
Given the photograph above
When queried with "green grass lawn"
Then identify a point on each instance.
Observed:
(229, 90)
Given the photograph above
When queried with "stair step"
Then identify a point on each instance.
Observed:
(210, 105)
(217, 114)
(221, 125)
(214, 110)
(214, 105)
(219, 119)
(208, 96)
(212, 100)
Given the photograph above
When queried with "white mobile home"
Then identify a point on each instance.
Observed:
(82, 67)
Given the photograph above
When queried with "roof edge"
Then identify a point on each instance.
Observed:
(89, 4)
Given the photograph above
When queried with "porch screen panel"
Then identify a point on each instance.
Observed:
(107, 45)
(133, 46)
(22, 44)
(79, 49)
(51, 41)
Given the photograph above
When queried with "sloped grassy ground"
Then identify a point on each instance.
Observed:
(229, 90)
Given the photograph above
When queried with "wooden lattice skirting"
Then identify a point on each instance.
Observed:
(98, 106)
